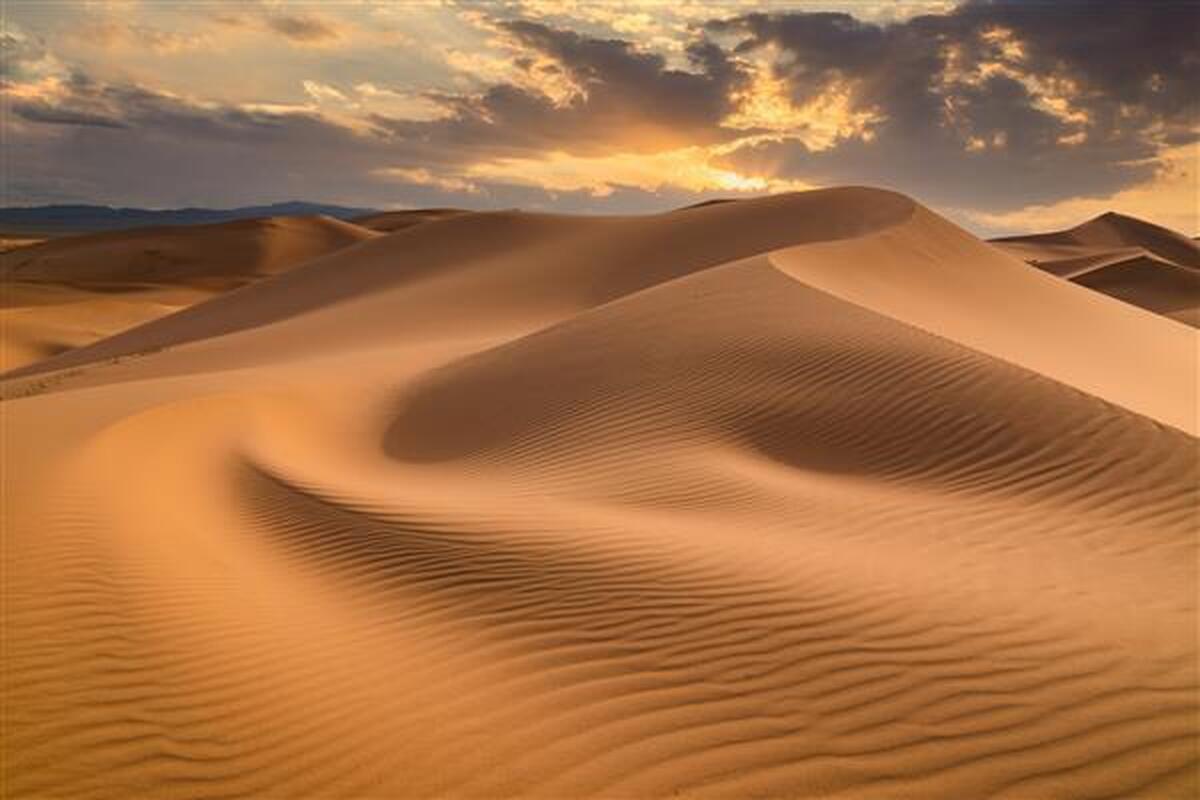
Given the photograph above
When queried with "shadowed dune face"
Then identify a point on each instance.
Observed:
(1168, 289)
(764, 498)
(740, 355)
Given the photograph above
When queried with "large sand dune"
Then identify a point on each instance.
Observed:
(809, 496)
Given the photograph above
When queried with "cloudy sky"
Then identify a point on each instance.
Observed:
(1005, 116)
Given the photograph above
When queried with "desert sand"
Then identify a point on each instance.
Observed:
(813, 495)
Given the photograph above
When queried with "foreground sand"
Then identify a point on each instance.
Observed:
(808, 496)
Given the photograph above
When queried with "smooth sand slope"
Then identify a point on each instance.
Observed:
(64, 293)
(753, 499)
(1124, 257)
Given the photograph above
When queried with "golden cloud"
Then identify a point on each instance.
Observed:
(820, 123)
(540, 74)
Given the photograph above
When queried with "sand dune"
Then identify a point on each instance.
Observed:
(64, 293)
(476, 274)
(1126, 258)
(40, 320)
(814, 495)
(195, 255)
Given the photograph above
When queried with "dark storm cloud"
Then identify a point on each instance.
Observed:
(1132, 67)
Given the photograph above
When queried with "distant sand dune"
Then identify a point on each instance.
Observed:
(203, 255)
(809, 496)
(65, 293)
(1134, 261)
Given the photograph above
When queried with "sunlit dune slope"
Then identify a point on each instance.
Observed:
(769, 498)
(1126, 258)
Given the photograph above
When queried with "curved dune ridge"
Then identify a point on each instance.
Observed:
(766, 498)
(1126, 258)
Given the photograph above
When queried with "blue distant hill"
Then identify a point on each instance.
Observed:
(59, 220)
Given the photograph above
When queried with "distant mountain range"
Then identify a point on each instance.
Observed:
(59, 220)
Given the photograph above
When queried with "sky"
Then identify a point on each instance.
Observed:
(1005, 116)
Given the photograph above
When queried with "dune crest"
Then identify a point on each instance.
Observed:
(497, 270)
(778, 497)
